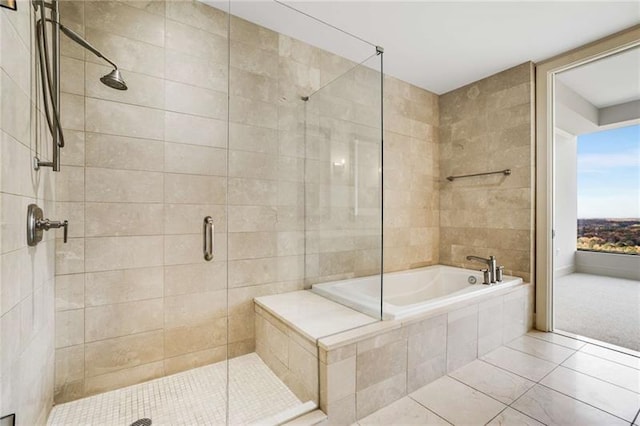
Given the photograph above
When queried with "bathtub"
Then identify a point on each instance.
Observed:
(411, 292)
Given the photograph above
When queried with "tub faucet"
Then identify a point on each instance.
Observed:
(492, 266)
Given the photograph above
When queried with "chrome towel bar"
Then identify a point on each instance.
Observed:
(505, 172)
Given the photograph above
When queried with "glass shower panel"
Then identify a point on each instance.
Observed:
(343, 185)
(270, 76)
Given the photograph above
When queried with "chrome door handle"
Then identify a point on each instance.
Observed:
(207, 236)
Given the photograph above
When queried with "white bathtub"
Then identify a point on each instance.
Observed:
(410, 292)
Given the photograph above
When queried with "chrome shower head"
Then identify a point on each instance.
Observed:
(114, 80)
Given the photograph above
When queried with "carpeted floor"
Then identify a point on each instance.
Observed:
(602, 308)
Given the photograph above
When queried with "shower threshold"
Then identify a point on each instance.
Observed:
(196, 396)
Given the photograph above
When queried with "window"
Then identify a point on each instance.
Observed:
(609, 191)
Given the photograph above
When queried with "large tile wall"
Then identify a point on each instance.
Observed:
(134, 299)
(26, 273)
(486, 126)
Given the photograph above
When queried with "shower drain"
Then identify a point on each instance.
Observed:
(141, 422)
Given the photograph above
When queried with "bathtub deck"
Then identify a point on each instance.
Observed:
(311, 315)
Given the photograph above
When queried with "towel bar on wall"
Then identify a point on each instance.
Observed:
(505, 172)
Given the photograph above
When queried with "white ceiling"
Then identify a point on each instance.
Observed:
(441, 46)
(610, 81)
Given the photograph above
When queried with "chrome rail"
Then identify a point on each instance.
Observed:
(505, 172)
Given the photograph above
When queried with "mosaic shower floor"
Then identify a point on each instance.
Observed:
(194, 397)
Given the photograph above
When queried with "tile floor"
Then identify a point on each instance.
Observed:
(537, 379)
(194, 397)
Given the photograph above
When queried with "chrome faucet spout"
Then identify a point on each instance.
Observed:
(492, 266)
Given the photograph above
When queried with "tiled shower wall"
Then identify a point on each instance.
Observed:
(134, 299)
(487, 126)
(26, 273)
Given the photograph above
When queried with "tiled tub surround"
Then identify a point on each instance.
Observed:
(537, 379)
(369, 367)
(143, 167)
(486, 126)
(287, 329)
(26, 273)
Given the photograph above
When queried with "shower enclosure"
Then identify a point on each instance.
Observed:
(242, 161)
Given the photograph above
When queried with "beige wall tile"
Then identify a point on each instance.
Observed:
(195, 159)
(125, 285)
(194, 100)
(69, 367)
(190, 129)
(253, 138)
(123, 120)
(195, 338)
(69, 292)
(194, 309)
(117, 219)
(196, 42)
(252, 272)
(108, 321)
(70, 256)
(188, 218)
(110, 355)
(126, 21)
(120, 152)
(194, 359)
(252, 245)
(70, 184)
(257, 192)
(381, 394)
(185, 68)
(129, 54)
(107, 253)
(462, 337)
(427, 352)
(195, 278)
(377, 365)
(72, 75)
(490, 325)
(122, 378)
(69, 328)
(191, 189)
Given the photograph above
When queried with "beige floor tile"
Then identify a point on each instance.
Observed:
(605, 396)
(609, 371)
(517, 362)
(405, 411)
(511, 417)
(500, 384)
(619, 357)
(541, 349)
(557, 339)
(456, 402)
(555, 409)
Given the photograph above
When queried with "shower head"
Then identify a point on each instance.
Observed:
(114, 80)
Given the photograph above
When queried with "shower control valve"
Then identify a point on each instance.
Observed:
(36, 225)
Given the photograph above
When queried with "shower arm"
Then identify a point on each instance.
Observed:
(78, 39)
